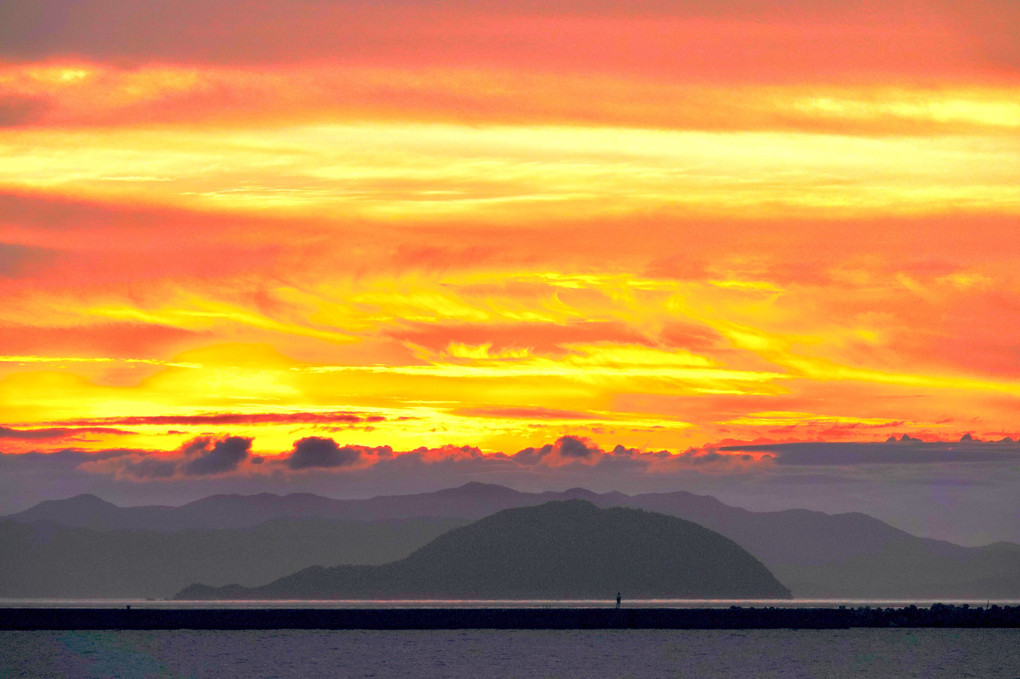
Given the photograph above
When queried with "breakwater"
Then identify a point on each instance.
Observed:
(938, 615)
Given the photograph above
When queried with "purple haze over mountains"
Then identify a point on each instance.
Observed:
(815, 554)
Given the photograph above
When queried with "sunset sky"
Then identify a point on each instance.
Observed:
(722, 246)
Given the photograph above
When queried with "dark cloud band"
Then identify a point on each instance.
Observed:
(902, 451)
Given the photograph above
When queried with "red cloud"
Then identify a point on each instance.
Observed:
(331, 417)
(772, 41)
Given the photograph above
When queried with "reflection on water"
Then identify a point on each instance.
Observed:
(481, 654)
(496, 603)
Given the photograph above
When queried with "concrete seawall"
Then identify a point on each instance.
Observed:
(938, 615)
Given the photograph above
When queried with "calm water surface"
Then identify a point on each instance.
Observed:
(503, 654)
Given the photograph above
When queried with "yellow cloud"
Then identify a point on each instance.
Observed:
(507, 173)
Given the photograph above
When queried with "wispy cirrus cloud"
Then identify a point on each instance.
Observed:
(56, 432)
(97, 94)
(733, 41)
(204, 419)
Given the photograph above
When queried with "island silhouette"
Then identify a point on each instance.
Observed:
(559, 550)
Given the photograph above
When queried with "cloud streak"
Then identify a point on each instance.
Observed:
(95, 94)
(326, 417)
(55, 432)
(905, 452)
(678, 39)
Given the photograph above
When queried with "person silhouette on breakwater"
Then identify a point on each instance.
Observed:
(618, 599)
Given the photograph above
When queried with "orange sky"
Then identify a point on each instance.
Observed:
(659, 225)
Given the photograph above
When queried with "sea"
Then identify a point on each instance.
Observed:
(508, 654)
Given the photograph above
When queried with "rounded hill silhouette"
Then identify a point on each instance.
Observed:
(558, 550)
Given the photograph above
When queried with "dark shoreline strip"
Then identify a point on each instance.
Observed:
(938, 615)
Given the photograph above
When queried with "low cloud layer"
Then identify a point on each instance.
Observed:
(319, 452)
(201, 456)
(902, 451)
(569, 457)
(965, 491)
(210, 456)
(565, 451)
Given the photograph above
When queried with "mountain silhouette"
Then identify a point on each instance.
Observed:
(850, 555)
(47, 560)
(470, 501)
(559, 550)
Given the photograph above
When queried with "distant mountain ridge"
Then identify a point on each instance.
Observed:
(47, 560)
(470, 501)
(816, 554)
(558, 550)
